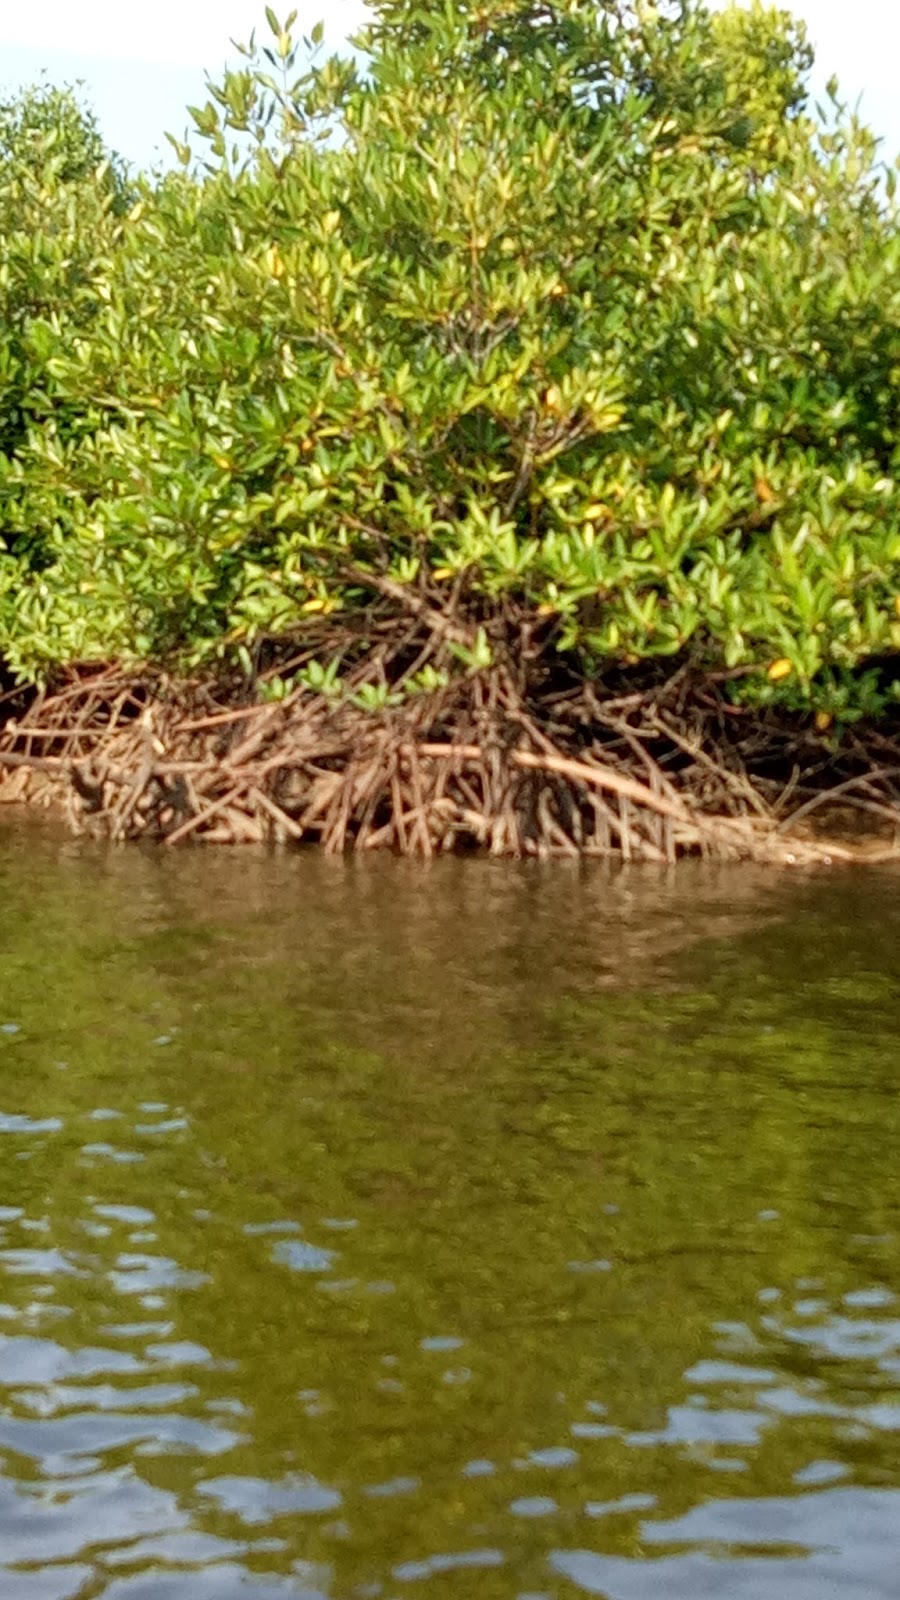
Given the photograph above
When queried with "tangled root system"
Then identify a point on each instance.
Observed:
(660, 772)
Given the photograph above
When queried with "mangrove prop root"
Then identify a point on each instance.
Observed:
(651, 775)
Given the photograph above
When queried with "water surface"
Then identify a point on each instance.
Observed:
(373, 1231)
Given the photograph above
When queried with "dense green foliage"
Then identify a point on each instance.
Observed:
(570, 310)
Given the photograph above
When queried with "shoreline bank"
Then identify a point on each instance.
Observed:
(649, 775)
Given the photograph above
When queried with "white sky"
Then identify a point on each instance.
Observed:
(142, 63)
(182, 33)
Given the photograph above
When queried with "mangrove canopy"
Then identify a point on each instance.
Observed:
(542, 351)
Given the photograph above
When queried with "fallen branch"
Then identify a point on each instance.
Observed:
(580, 771)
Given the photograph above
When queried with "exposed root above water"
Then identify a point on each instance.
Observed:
(649, 775)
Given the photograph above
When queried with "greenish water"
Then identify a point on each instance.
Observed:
(373, 1231)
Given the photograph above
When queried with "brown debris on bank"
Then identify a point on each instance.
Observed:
(649, 775)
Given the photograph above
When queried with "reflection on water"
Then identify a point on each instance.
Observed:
(372, 1231)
